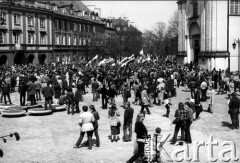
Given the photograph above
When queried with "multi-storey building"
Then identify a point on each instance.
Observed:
(42, 31)
(206, 32)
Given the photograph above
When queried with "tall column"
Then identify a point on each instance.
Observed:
(214, 26)
(184, 26)
(203, 27)
(180, 27)
(208, 25)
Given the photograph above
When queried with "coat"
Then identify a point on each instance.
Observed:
(32, 89)
(234, 105)
(128, 116)
(48, 92)
(145, 97)
(57, 91)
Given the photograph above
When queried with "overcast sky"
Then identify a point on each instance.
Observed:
(143, 13)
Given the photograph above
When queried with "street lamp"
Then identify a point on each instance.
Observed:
(234, 43)
(234, 46)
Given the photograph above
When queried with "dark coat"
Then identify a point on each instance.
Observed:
(32, 89)
(57, 91)
(48, 92)
(78, 96)
(5, 89)
(234, 105)
(128, 116)
(140, 130)
(22, 88)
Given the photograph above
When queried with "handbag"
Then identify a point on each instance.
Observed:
(128, 94)
(178, 119)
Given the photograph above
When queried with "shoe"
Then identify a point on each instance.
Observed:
(76, 146)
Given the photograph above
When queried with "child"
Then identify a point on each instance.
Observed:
(157, 145)
(62, 99)
(167, 106)
(70, 101)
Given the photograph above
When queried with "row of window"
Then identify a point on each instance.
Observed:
(234, 7)
(61, 40)
(17, 20)
(75, 27)
(17, 37)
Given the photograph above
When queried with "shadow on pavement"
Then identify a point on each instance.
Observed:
(226, 124)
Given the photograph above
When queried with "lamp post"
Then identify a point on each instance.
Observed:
(234, 46)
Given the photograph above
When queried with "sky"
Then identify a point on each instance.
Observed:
(144, 14)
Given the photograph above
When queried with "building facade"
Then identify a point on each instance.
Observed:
(43, 31)
(206, 32)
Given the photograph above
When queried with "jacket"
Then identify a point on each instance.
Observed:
(140, 130)
(86, 121)
(32, 89)
(47, 92)
(128, 116)
(234, 105)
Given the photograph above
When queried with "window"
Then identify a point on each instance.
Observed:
(94, 29)
(79, 27)
(55, 8)
(2, 37)
(16, 38)
(195, 8)
(58, 39)
(80, 14)
(80, 41)
(69, 40)
(118, 28)
(31, 37)
(74, 26)
(62, 25)
(2, 18)
(63, 40)
(17, 19)
(83, 28)
(63, 10)
(42, 38)
(234, 7)
(68, 26)
(56, 24)
(74, 40)
(30, 21)
(42, 22)
(88, 28)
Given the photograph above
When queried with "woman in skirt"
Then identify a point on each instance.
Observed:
(114, 123)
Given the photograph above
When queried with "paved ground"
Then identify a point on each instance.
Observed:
(50, 138)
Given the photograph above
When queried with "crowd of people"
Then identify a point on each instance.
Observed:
(151, 83)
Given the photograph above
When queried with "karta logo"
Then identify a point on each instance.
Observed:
(228, 147)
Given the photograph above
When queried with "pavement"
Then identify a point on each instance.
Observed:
(50, 138)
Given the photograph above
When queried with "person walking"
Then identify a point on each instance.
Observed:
(141, 133)
(95, 125)
(183, 116)
(104, 93)
(127, 122)
(86, 126)
(48, 93)
(210, 95)
(204, 90)
(95, 87)
(189, 108)
(145, 100)
(234, 110)
(78, 98)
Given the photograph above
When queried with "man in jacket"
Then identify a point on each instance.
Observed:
(127, 123)
(95, 87)
(6, 92)
(32, 92)
(192, 85)
(104, 93)
(145, 100)
(48, 93)
(22, 89)
(234, 111)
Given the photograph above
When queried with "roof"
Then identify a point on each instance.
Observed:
(78, 5)
(122, 22)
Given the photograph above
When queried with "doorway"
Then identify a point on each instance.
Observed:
(20, 58)
(41, 58)
(30, 58)
(3, 60)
